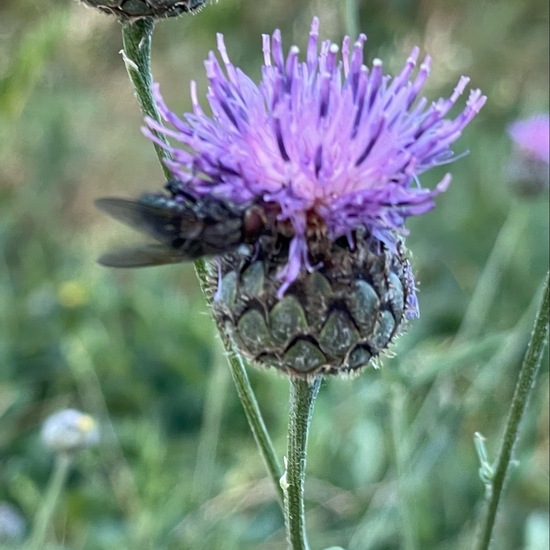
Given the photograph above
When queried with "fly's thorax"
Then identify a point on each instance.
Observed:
(198, 225)
(333, 320)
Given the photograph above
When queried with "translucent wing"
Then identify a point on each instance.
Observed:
(161, 221)
(142, 255)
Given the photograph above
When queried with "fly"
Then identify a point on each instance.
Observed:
(186, 226)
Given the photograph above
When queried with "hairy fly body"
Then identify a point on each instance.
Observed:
(186, 226)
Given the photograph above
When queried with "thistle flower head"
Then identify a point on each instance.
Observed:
(527, 168)
(333, 144)
(532, 137)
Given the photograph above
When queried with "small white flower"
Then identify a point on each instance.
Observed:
(69, 430)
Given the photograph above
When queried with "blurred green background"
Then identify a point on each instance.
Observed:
(391, 453)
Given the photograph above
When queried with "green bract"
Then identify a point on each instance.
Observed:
(329, 321)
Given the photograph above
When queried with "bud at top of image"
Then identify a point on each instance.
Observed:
(138, 9)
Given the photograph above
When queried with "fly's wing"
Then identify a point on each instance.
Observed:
(143, 255)
(160, 221)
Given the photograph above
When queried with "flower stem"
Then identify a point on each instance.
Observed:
(351, 18)
(256, 421)
(136, 41)
(302, 400)
(403, 460)
(520, 399)
(45, 512)
(136, 37)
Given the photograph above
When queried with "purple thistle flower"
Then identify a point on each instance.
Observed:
(327, 141)
(527, 167)
(532, 137)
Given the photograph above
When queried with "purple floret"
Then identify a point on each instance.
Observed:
(327, 136)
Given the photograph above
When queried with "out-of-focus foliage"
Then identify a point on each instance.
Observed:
(391, 453)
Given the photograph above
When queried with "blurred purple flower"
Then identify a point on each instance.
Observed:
(526, 170)
(532, 136)
(327, 140)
